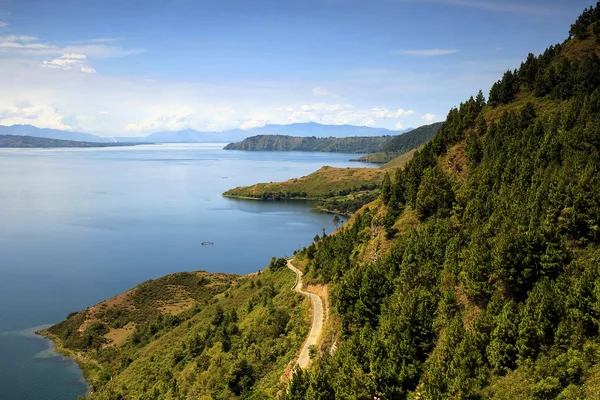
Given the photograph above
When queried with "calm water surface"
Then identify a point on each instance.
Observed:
(78, 226)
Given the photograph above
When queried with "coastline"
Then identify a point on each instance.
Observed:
(316, 207)
(59, 349)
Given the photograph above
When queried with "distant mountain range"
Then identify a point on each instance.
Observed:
(190, 135)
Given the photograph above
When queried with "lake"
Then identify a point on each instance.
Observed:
(78, 226)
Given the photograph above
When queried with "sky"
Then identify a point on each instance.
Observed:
(129, 68)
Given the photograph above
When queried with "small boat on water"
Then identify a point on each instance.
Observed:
(207, 243)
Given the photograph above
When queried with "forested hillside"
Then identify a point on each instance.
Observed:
(354, 144)
(476, 273)
(191, 335)
(402, 144)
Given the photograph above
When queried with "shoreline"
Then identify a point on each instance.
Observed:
(59, 349)
(317, 207)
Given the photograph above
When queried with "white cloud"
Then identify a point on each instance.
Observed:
(88, 70)
(24, 112)
(427, 52)
(338, 114)
(171, 122)
(23, 44)
(399, 126)
(429, 117)
(202, 117)
(389, 114)
(31, 44)
(66, 93)
(326, 108)
(69, 62)
(3, 24)
(20, 38)
(253, 123)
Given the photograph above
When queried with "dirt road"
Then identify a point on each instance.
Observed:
(317, 320)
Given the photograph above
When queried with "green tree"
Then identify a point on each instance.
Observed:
(386, 188)
(336, 221)
(435, 194)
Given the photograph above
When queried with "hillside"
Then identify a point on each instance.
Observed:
(189, 335)
(339, 190)
(354, 144)
(12, 141)
(402, 144)
(326, 182)
(475, 274)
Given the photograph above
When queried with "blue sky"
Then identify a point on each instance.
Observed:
(128, 68)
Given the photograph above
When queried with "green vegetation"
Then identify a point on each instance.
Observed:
(339, 190)
(376, 158)
(347, 204)
(402, 144)
(324, 183)
(355, 144)
(401, 160)
(15, 141)
(475, 275)
(190, 335)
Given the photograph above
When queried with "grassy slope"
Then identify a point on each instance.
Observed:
(158, 358)
(381, 157)
(322, 183)
(401, 160)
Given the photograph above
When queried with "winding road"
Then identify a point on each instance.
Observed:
(317, 320)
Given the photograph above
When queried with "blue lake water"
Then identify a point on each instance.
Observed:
(78, 226)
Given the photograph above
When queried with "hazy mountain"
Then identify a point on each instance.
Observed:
(30, 130)
(320, 130)
(301, 129)
(191, 136)
(15, 141)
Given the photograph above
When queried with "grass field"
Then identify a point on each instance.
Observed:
(326, 182)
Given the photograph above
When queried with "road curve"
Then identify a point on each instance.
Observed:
(317, 320)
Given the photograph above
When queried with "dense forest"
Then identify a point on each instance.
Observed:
(354, 144)
(413, 139)
(475, 274)
(402, 144)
